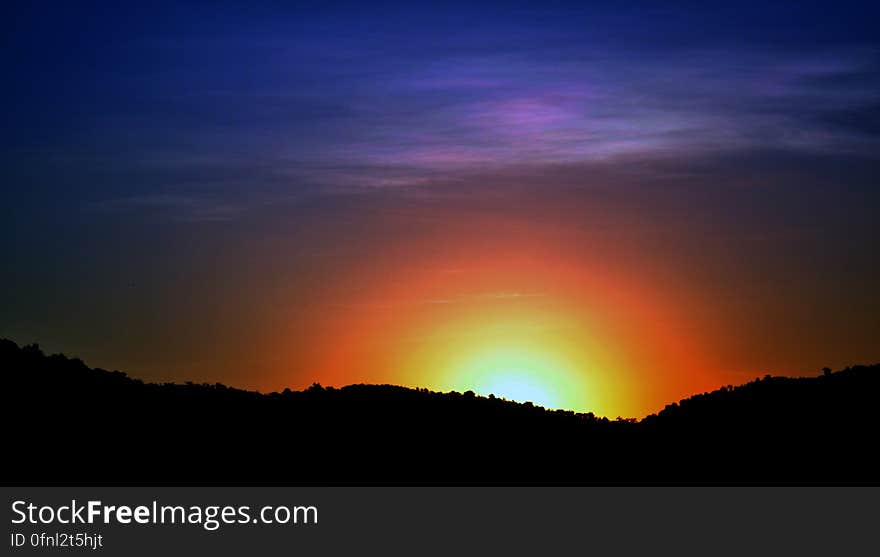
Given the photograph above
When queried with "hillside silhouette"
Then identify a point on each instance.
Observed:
(68, 423)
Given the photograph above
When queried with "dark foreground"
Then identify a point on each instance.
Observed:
(68, 423)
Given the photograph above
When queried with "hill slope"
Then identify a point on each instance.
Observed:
(68, 423)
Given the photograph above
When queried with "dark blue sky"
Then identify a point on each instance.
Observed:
(148, 148)
(177, 95)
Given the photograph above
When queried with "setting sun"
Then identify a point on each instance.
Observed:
(521, 374)
(515, 347)
(521, 325)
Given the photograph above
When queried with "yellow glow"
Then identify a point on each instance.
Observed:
(518, 374)
(557, 336)
(527, 352)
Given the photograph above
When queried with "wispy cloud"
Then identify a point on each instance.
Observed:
(508, 110)
(367, 113)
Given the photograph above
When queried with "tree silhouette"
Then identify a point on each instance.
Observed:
(69, 423)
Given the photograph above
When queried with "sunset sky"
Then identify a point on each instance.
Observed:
(597, 206)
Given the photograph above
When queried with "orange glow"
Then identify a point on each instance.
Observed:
(552, 328)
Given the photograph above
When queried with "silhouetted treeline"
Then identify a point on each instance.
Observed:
(68, 423)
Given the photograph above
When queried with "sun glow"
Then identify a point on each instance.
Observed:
(560, 336)
(523, 375)
(523, 350)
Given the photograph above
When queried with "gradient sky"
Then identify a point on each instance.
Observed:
(594, 206)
